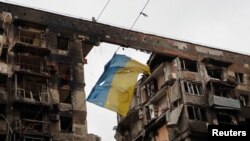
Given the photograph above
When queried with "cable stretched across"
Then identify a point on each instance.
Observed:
(137, 18)
(103, 10)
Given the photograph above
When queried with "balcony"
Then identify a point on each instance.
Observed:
(224, 103)
(158, 71)
(33, 69)
(31, 40)
(34, 49)
(31, 96)
(35, 127)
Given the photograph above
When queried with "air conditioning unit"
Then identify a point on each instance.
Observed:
(54, 117)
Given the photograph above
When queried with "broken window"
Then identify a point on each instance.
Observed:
(62, 43)
(65, 96)
(66, 124)
(243, 100)
(152, 87)
(196, 113)
(30, 36)
(192, 88)
(225, 119)
(239, 78)
(151, 112)
(188, 65)
(214, 72)
(223, 90)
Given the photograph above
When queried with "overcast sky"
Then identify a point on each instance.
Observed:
(217, 23)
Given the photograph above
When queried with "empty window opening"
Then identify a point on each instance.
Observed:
(196, 113)
(2, 112)
(62, 43)
(214, 72)
(188, 65)
(2, 137)
(239, 78)
(223, 91)
(152, 87)
(4, 53)
(151, 112)
(66, 124)
(3, 81)
(30, 37)
(192, 88)
(225, 119)
(243, 100)
(65, 96)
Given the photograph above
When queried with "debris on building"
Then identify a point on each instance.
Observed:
(42, 58)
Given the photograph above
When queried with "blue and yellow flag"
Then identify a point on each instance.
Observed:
(115, 87)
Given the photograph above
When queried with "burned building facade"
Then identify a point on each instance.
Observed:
(41, 79)
(42, 57)
(187, 92)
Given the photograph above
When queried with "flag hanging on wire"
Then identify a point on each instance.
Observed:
(115, 87)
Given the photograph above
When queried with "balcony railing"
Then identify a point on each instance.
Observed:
(31, 68)
(22, 94)
(32, 126)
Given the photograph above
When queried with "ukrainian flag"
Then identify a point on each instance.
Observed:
(115, 87)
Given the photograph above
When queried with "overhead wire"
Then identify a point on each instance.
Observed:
(103, 9)
(137, 18)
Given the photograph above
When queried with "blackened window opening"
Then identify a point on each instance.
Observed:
(188, 65)
(66, 124)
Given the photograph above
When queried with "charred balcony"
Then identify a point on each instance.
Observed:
(32, 123)
(31, 38)
(32, 65)
(222, 96)
(31, 90)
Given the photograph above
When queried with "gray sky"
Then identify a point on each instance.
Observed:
(217, 23)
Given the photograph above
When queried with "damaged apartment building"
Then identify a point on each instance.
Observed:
(185, 93)
(41, 79)
(42, 98)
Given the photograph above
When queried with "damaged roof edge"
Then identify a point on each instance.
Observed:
(116, 35)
